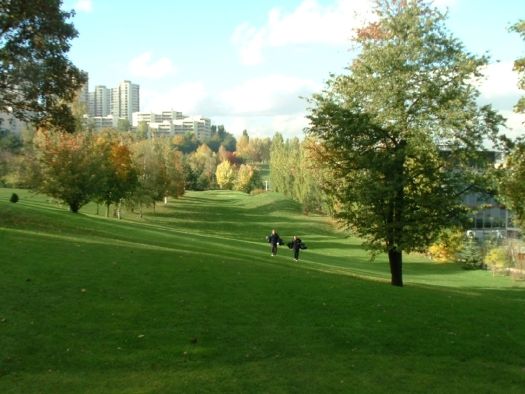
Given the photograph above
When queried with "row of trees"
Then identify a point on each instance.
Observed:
(112, 168)
(82, 167)
(294, 173)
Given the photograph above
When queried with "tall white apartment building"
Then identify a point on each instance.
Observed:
(102, 101)
(125, 100)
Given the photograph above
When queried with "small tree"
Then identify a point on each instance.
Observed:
(14, 198)
(118, 177)
(225, 175)
(246, 179)
(68, 169)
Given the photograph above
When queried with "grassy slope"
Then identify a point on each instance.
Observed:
(189, 300)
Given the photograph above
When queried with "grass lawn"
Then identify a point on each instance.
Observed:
(189, 300)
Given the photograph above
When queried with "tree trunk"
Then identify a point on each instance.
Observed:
(107, 210)
(395, 258)
(74, 206)
(119, 205)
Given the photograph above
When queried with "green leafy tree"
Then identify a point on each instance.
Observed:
(519, 66)
(123, 125)
(142, 131)
(513, 175)
(260, 150)
(37, 81)
(278, 164)
(382, 127)
(513, 182)
(186, 143)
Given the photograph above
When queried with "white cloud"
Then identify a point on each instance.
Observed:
(289, 126)
(309, 23)
(84, 5)
(143, 66)
(187, 97)
(272, 94)
(500, 81)
(515, 124)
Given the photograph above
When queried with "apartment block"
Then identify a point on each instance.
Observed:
(125, 100)
(174, 122)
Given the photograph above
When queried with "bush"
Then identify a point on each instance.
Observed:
(14, 198)
(498, 258)
(471, 256)
(447, 247)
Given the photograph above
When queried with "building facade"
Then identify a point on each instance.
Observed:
(125, 100)
(173, 123)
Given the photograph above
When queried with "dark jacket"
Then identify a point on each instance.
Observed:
(274, 239)
(296, 244)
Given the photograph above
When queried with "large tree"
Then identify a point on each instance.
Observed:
(399, 130)
(513, 180)
(519, 66)
(37, 81)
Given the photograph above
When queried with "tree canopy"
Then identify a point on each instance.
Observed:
(37, 81)
(519, 66)
(400, 128)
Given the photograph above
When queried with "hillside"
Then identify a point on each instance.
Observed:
(189, 300)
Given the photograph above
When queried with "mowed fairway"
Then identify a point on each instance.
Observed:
(189, 300)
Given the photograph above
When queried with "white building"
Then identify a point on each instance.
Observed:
(148, 117)
(102, 122)
(125, 100)
(102, 101)
(174, 122)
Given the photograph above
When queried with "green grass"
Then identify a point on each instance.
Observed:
(189, 300)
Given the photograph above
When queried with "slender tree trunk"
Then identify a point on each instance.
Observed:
(119, 205)
(395, 258)
(107, 210)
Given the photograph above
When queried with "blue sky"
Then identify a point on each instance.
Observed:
(246, 64)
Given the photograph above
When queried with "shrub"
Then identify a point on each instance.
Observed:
(498, 258)
(14, 198)
(470, 256)
(448, 245)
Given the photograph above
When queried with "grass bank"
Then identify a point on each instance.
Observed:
(189, 300)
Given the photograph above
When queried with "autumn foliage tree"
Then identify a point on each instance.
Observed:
(225, 175)
(118, 175)
(400, 128)
(66, 167)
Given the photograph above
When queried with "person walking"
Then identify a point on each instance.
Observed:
(274, 240)
(296, 245)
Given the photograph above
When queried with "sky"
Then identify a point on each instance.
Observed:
(249, 65)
